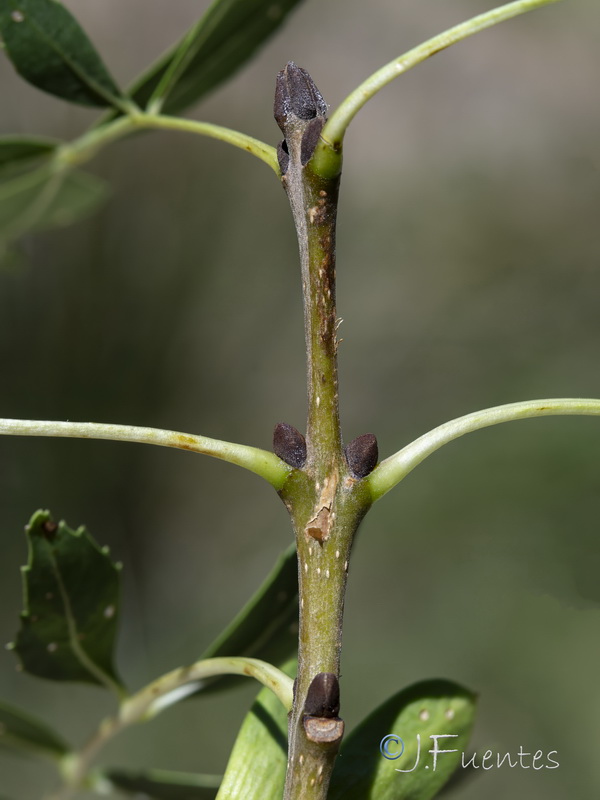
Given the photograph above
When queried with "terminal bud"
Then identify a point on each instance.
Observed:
(297, 98)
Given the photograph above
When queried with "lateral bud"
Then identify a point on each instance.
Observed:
(323, 696)
(362, 455)
(321, 708)
(289, 444)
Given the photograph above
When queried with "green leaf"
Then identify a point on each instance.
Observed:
(266, 627)
(20, 730)
(213, 49)
(165, 785)
(431, 708)
(71, 591)
(49, 49)
(14, 150)
(41, 198)
(257, 764)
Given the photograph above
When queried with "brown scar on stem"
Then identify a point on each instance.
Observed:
(319, 527)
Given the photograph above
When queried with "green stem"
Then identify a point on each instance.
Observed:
(327, 152)
(326, 503)
(157, 696)
(396, 467)
(261, 462)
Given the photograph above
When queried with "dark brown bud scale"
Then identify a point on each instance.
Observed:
(362, 455)
(289, 444)
(323, 696)
(296, 97)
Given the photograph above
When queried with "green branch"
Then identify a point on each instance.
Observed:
(89, 144)
(327, 153)
(251, 145)
(261, 462)
(168, 689)
(160, 694)
(396, 467)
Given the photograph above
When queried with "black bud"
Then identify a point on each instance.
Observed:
(296, 97)
(362, 455)
(289, 445)
(283, 156)
(323, 696)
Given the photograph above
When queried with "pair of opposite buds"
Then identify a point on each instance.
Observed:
(290, 445)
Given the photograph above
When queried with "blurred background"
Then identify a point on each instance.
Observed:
(468, 255)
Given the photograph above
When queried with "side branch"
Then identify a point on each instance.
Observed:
(87, 146)
(332, 135)
(261, 462)
(396, 467)
(160, 694)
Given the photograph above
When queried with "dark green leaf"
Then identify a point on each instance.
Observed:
(14, 150)
(18, 729)
(50, 50)
(431, 708)
(41, 198)
(257, 764)
(164, 785)
(213, 49)
(71, 590)
(266, 627)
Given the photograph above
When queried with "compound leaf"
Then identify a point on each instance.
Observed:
(71, 590)
(50, 50)
(402, 727)
(24, 732)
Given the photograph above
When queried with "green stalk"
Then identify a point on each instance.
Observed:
(327, 157)
(391, 471)
(90, 143)
(154, 698)
(261, 462)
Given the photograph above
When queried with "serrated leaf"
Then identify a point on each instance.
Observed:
(41, 198)
(50, 50)
(21, 730)
(15, 150)
(213, 49)
(266, 627)
(257, 764)
(71, 591)
(165, 785)
(431, 708)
